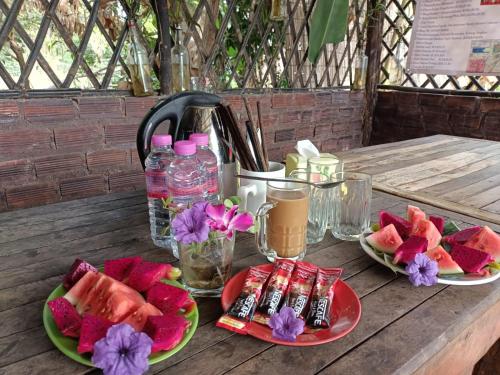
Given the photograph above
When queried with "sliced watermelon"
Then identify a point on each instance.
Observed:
(402, 226)
(409, 249)
(469, 259)
(93, 329)
(139, 317)
(425, 228)
(486, 240)
(462, 236)
(387, 239)
(447, 266)
(414, 215)
(438, 221)
(82, 287)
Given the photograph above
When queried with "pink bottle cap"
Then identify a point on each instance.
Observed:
(185, 148)
(161, 140)
(201, 139)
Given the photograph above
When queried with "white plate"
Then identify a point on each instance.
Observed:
(465, 279)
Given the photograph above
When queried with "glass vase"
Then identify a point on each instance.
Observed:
(206, 266)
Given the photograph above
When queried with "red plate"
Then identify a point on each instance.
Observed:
(346, 312)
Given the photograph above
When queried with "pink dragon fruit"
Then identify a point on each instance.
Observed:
(462, 236)
(76, 272)
(119, 269)
(166, 331)
(469, 259)
(409, 249)
(145, 274)
(93, 329)
(438, 221)
(403, 226)
(67, 319)
(169, 298)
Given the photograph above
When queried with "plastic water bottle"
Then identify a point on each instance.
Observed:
(207, 157)
(157, 162)
(186, 180)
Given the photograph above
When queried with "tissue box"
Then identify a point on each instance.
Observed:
(295, 161)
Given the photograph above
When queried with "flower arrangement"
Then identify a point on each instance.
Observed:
(205, 236)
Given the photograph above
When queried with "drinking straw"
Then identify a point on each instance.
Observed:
(259, 156)
(262, 138)
(253, 141)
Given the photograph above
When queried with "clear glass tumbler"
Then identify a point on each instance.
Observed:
(206, 266)
(319, 205)
(351, 205)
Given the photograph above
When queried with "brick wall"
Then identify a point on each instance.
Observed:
(62, 149)
(405, 115)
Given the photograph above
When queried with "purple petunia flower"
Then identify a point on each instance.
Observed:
(123, 351)
(228, 222)
(191, 225)
(286, 326)
(422, 270)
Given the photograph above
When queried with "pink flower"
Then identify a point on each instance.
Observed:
(228, 222)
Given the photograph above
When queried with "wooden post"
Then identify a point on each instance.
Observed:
(376, 13)
(163, 21)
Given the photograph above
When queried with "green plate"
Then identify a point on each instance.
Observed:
(68, 345)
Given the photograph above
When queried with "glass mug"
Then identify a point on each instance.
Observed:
(320, 202)
(282, 221)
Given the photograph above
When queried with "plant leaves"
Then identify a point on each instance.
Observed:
(450, 227)
(328, 25)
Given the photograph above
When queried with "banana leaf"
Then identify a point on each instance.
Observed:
(328, 25)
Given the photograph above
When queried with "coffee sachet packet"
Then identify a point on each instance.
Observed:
(300, 287)
(275, 290)
(243, 308)
(319, 315)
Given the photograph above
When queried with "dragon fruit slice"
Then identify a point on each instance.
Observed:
(462, 236)
(78, 269)
(409, 249)
(168, 298)
(438, 221)
(145, 274)
(139, 317)
(67, 319)
(93, 329)
(166, 331)
(402, 226)
(119, 269)
(470, 260)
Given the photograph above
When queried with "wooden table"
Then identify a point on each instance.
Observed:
(455, 173)
(403, 329)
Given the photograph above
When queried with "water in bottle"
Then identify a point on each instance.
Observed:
(157, 190)
(186, 180)
(207, 157)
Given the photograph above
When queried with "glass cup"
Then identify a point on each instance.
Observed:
(326, 165)
(320, 203)
(351, 205)
(206, 266)
(282, 221)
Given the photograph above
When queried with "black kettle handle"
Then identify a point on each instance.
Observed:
(172, 108)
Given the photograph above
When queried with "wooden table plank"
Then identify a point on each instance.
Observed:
(451, 172)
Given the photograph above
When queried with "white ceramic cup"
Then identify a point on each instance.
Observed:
(252, 193)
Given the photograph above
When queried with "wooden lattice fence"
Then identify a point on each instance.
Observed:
(231, 42)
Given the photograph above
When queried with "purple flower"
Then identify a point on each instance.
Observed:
(123, 351)
(228, 222)
(286, 326)
(422, 270)
(191, 225)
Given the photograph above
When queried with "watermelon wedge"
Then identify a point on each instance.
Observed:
(486, 240)
(462, 236)
(447, 266)
(387, 239)
(409, 249)
(402, 226)
(469, 259)
(426, 229)
(414, 215)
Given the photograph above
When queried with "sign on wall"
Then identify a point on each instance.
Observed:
(456, 37)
